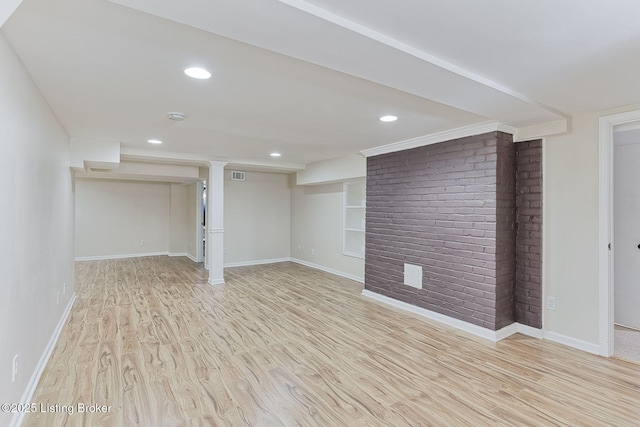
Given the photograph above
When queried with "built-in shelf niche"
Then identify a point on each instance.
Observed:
(354, 218)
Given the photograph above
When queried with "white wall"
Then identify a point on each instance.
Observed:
(192, 220)
(257, 222)
(36, 237)
(179, 235)
(316, 223)
(113, 217)
(333, 170)
(570, 228)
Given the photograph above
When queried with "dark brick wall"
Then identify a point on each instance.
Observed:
(441, 207)
(529, 236)
(505, 231)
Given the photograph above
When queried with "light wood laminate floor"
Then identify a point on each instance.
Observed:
(286, 345)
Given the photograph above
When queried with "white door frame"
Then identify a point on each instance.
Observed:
(607, 124)
(200, 234)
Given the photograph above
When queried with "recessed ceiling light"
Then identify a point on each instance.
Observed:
(154, 141)
(275, 154)
(197, 73)
(388, 118)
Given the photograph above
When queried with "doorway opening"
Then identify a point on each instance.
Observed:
(201, 223)
(626, 235)
(619, 325)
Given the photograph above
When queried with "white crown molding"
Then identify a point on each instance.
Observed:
(218, 163)
(448, 135)
(507, 129)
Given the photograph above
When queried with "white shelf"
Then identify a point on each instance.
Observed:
(354, 218)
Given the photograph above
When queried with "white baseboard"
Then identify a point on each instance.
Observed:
(178, 254)
(216, 282)
(572, 342)
(507, 331)
(329, 270)
(518, 328)
(191, 257)
(487, 333)
(441, 318)
(18, 417)
(102, 257)
(529, 331)
(256, 262)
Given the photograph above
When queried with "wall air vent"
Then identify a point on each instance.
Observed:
(237, 176)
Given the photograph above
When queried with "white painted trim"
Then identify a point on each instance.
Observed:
(328, 270)
(529, 331)
(102, 257)
(265, 166)
(216, 282)
(215, 222)
(572, 342)
(192, 258)
(201, 235)
(537, 131)
(543, 250)
(507, 331)
(605, 235)
(479, 331)
(605, 225)
(448, 135)
(441, 318)
(184, 254)
(18, 417)
(256, 262)
(507, 129)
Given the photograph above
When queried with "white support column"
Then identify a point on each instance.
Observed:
(215, 222)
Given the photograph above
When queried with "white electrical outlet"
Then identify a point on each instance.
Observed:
(312, 251)
(14, 369)
(299, 248)
(143, 242)
(552, 303)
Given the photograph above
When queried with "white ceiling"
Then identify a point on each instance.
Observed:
(311, 78)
